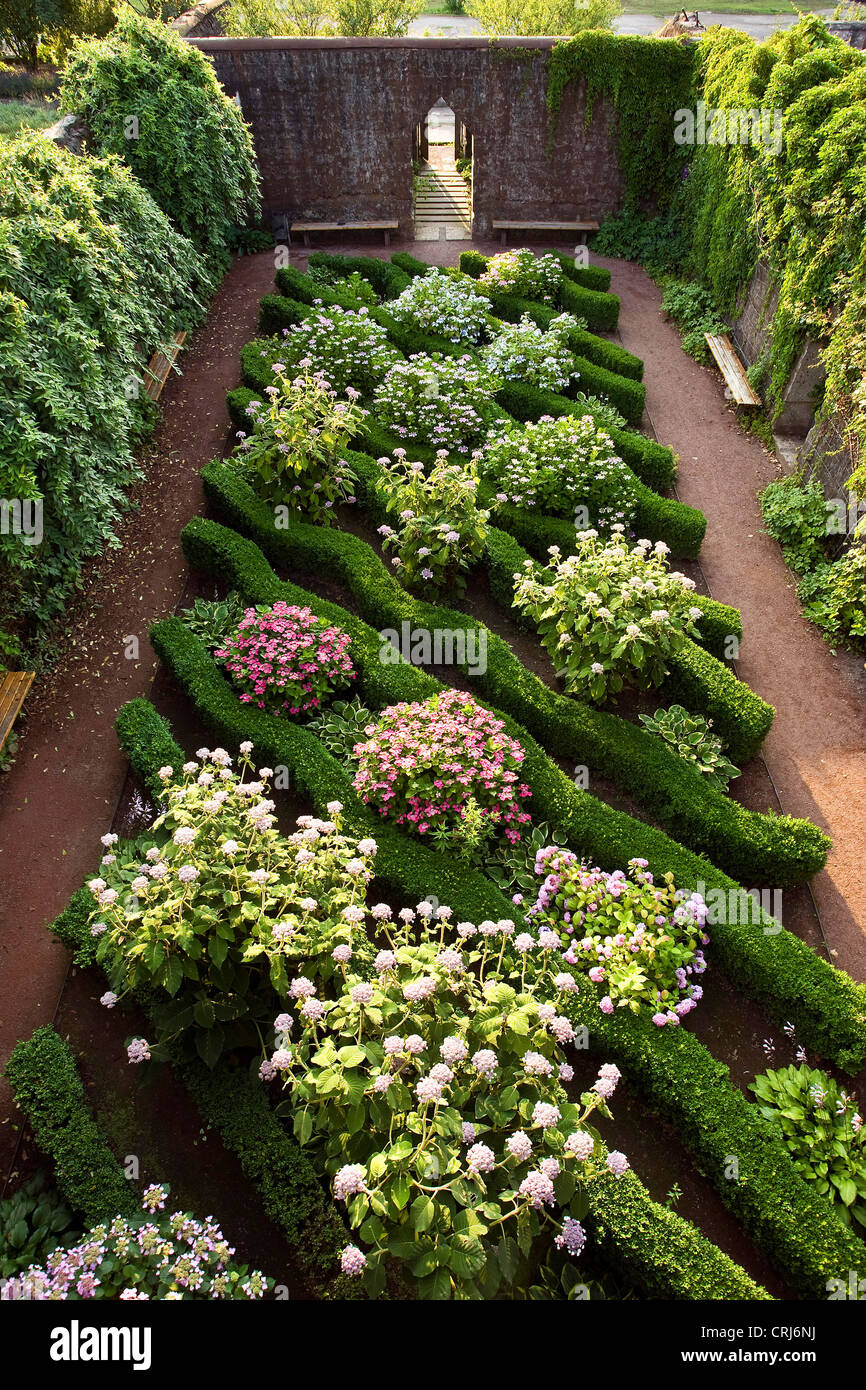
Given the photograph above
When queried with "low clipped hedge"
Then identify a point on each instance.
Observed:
(771, 964)
(601, 310)
(652, 462)
(631, 1229)
(48, 1090)
(756, 848)
(605, 369)
(799, 1232)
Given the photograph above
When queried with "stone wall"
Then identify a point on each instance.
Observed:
(852, 31)
(333, 123)
(202, 21)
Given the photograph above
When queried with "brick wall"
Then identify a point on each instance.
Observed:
(333, 121)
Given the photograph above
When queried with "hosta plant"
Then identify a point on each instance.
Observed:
(341, 725)
(524, 274)
(448, 305)
(214, 620)
(692, 737)
(348, 347)
(154, 1256)
(207, 910)
(285, 660)
(539, 357)
(440, 530)
(33, 1221)
(640, 942)
(442, 401)
(293, 453)
(430, 765)
(823, 1133)
(610, 615)
(431, 1090)
(565, 467)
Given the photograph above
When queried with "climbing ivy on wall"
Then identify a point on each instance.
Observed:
(647, 80)
(803, 208)
(155, 101)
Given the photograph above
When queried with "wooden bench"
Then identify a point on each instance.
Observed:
(306, 227)
(14, 686)
(580, 228)
(159, 367)
(731, 368)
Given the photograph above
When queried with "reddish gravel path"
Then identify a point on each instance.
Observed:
(61, 793)
(816, 749)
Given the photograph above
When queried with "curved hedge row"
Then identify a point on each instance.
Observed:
(600, 309)
(828, 1007)
(596, 360)
(665, 1254)
(799, 1231)
(48, 1090)
(772, 849)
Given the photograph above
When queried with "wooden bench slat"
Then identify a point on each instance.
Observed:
(160, 365)
(732, 369)
(14, 686)
(504, 226)
(305, 228)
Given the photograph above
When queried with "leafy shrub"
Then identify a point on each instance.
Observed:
(406, 1079)
(608, 615)
(347, 347)
(431, 765)
(82, 244)
(341, 726)
(293, 450)
(354, 284)
(285, 660)
(562, 467)
(522, 352)
(692, 737)
(601, 411)
(660, 243)
(436, 400)
(208, 910)
(696, 313)
(639, 941)
(442, 530)
(834, 596)
(32, 1221)
(822, 1132)
(444, 304)
(151, 1256)
(214, 620)
(190, 147)
(524, 274)
(795, 514)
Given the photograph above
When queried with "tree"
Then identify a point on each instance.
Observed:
(27, 24)
(319, 18)
(548, 18)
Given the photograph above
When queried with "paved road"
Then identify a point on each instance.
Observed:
(760, 26)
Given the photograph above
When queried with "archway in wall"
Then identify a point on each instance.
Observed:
(442, 176)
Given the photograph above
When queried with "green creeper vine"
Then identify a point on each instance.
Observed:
(646, 80)
(155, 101)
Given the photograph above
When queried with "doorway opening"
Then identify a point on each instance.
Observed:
(442, 176)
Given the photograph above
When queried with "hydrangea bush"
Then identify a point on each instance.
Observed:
(432, 1090)
(285, 660)
(564, 467)
(524, 274)
(445, 304)
(210, 908)
(639, 941)
(432, 765)
(348, 347)
(155, 1256)
(538, 357)
(437, 400)
(442, 531)
(293, 453)
(610, 614)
